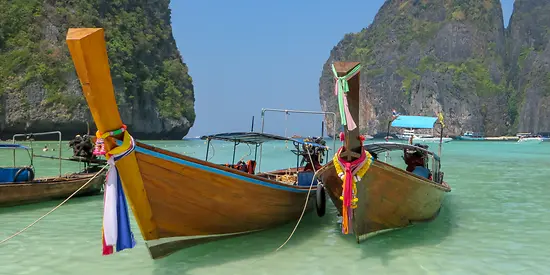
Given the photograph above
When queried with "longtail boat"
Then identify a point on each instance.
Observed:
(373, 196)
(180, 201)
(19, 184)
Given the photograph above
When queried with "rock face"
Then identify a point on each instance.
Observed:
(529, 67)
(39, 89)
(425, 56)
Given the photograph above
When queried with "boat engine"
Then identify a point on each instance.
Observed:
(317, 153)
(83, 147)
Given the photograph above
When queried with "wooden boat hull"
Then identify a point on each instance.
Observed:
(43, 189)
(194, 202)
(389, 198)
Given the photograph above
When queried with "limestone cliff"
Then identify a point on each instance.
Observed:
(529, 59)
(424, 56)
(39, 90)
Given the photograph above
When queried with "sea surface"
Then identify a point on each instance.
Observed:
(495, 221)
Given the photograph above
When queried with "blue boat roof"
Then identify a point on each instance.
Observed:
(417, 122)
(12, 146)
(256, 138)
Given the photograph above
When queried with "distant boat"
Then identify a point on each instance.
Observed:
(368, 137)
(418, 122)
(19, 186)
(430, 139)
(406, 135)
(421, 138)
(471, 136)
(530, 139)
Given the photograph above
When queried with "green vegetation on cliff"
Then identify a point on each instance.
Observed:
(145, 63)
(422, 56)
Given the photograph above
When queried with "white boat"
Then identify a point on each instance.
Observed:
(430, 139)
(530, 139)
(420, 138)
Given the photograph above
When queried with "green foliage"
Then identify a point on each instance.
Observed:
(471, 10)
(525, 51)
(142, 54)
(409, 76)
(375, 72)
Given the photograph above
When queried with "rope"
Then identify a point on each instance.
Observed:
(213, 152)
(55, 208)
(247, 154)
(305, 205)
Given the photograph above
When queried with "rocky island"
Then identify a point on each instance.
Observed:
(425, 56)
(39, 89)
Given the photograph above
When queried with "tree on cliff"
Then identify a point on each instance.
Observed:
(39, 89)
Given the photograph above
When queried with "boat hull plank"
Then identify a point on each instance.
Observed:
(192, 205)
(388, 198)
(45, 189)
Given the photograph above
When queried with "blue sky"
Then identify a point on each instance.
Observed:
(245, 55)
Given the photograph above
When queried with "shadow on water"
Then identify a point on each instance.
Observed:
(383, 245)
(253, 246)
(419, 235)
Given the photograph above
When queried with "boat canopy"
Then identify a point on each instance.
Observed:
(257, 138)
(13, 146)
(381, 147)
(417, 122)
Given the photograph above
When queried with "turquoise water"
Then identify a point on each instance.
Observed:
(495, 221)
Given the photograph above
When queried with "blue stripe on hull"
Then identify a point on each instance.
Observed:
(220, 172)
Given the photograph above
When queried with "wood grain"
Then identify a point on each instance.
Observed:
(190, 201)
(89, 54)
(43, 189)
(389, 197)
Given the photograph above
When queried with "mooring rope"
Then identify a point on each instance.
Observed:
(55, 208)
(305, 205)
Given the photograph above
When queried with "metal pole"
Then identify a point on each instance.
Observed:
(302, 112)
(298, 158)
(234, 150)
(207, 148)
(252, 127)
(13, 141)
(59, 154)
(42, 134)
(261, 145)
(440, 139)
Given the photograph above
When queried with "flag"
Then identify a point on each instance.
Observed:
(440, 117)
(117, 233)
(394, 114)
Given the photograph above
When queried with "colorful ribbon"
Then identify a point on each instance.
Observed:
(340, 88)
(351, 173)
(116, 223)
(440, 117)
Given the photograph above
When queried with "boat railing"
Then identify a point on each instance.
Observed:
(286, 112)
(30, 136)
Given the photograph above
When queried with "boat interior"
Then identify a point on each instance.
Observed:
(26, 173)
(419, 160)
(310, 154)
(16, 174)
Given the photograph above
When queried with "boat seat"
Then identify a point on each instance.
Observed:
(8, 175)
(421, 171)
(305, 178)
